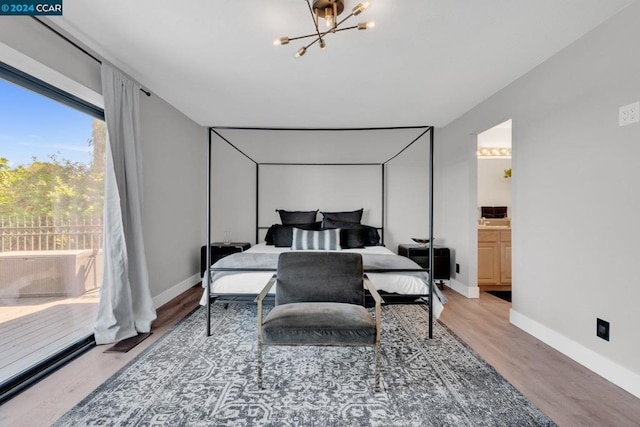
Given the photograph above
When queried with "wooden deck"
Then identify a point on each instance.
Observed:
(32, 329)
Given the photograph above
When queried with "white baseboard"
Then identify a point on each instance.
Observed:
(176, 290)
(619, 375)
(467, 291)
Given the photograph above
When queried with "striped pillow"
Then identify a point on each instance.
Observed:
(316, 240)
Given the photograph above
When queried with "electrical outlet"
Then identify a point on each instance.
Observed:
(457, 268)
(602, 329)
(629, 114)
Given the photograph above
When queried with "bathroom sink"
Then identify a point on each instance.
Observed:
(497, 222)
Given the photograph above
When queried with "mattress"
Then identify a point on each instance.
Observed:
(252, 283)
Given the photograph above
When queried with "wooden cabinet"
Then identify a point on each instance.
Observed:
(505, 257)
(494, 257)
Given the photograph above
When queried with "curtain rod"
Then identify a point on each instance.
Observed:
(77, 46)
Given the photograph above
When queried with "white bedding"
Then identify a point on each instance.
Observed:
(254, 282)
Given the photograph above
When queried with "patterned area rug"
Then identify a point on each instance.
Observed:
(189, 379)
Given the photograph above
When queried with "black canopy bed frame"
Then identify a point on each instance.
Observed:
(241, 297)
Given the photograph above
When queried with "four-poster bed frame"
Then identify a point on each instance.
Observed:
(215, 130)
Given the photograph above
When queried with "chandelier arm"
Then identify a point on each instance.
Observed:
(324, 34)
(315, 21)
(308, 35)
(344, 19)
(345, 28)
(316, 40)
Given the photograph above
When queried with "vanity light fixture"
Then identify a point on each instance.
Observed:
(329, 10)
(494, 152)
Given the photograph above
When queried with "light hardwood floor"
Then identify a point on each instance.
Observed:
(567, 392)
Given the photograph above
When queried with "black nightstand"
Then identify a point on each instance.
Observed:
(220, 250)
(420, 254)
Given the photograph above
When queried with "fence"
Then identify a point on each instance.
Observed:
(47, 234)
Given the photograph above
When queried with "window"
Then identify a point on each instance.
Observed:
(51, 206)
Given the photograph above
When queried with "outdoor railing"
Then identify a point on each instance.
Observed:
(47, 234)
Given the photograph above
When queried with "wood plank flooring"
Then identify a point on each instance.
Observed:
(564, 390)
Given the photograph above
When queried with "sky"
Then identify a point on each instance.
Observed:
(32, 125)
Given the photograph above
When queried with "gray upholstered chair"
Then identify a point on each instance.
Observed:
(320, 301)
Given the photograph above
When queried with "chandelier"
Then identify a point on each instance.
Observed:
(329, 10)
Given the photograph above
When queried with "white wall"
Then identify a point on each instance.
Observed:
(329, 188)
(233, 193)
(174, 149)
(174, 167)
(493, 188)
(572, 262)
(407, 179)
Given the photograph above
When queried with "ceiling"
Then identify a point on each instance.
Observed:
(425, 63)
(498, 136)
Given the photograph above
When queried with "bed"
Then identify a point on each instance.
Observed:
(240, 277)
(398, 279)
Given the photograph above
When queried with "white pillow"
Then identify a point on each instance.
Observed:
(316, 240)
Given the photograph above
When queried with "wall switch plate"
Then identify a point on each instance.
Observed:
(629, 114)
(602, 329)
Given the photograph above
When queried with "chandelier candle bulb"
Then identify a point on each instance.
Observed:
(360, 7)
(330, 17)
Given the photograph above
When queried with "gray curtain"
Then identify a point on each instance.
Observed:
(126, 307)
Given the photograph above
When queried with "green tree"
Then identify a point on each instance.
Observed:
(55, 188)
(99, 142)
(5, 171)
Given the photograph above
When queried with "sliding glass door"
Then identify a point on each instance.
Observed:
(51, 207)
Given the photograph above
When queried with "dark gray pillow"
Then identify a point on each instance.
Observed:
(297, 217)
(372, 237)
(354, 217)
(353, 238)
(281, 235)
(370, 234)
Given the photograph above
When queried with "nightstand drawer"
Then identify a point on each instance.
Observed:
(420, 255)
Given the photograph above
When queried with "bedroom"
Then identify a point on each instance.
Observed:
(573, 164)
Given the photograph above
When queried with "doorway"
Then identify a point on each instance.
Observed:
(494, 209)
